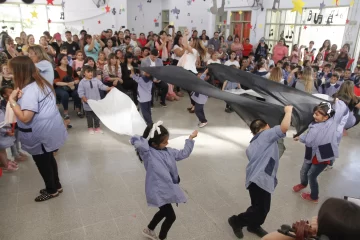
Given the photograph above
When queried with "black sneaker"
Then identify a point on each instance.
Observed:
(228, 110)
(237, 230)
(259, 231)
(80, 115)
(163, 105)
(66, 117)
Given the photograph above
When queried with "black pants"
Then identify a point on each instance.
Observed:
(48, 169)
(146, 112)
(130, 84)
(256, 214)
(164, 88)
(63, 96)
(92, 120)
(199, 111)
(166, 212)
(191, 100)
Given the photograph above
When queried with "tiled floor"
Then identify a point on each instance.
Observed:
(103, 182)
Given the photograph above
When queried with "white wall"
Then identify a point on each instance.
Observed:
(144, 19)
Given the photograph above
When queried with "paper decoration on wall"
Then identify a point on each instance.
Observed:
(50, 2)
(305, 27)
(336, 2)
(330, 19)
(240, 12)
(100, 3)
(188, 14)
(114, 11)
(224, 21)
(322, 5)
(258, 4)
(62, 16)
(132, 29)
(135, 18)
(49, 20)
(99, 22)
(221, 9)
(276, 2)
(289, 36)
(82, 22)
(149, 1)
(298, 6)
(214, 8)
(107, 8)
(188, 2)
(249, 25)
(34, 14)
(192, 21)
(155, 20)
(63, 4)
(156, 24)
(352, 3)
(347, 21)
(271, 33)
(318, 18)
(176, 11)
(140, 7)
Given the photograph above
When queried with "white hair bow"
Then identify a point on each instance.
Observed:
(154, 128)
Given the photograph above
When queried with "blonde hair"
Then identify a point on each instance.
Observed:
(308, 79)
(276, 74)
(40, 53)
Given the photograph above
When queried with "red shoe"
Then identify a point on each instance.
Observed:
(306, 196)
(298, 188)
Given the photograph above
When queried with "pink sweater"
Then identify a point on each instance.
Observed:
(279, 52)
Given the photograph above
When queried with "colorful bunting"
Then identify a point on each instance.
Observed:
(107, 8)
(34, 14)
(50, 2)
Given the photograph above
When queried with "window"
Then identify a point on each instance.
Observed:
(301, 29)
(240, 24)
(18, 17)
(221, 22)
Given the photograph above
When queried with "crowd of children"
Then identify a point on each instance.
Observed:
(116, 68)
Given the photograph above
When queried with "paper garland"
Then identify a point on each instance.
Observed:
(298, 6)
(34, 14)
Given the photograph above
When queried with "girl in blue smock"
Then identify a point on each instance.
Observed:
(263, 155)
(41, 128)
(200, 101)
(321, 146)
(162, 178)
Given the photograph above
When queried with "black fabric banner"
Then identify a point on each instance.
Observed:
(248, 108)
(273, 92)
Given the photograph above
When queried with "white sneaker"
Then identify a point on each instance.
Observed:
(201, 125)
(98, 130)
(149, 234)
(328, 168)
(91, 131)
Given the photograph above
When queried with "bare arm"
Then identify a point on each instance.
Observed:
(102, 44)
(285, 124)
(185, 42)
(92, 44)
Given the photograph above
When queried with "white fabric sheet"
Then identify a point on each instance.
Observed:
(118, 113)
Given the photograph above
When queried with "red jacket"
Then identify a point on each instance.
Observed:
(247, 49)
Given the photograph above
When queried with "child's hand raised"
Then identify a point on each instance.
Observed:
(193, 135)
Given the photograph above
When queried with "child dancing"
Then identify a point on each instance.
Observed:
(89, 89)
(321, 146)
(162, 178)
(200, 100)
(263, 155)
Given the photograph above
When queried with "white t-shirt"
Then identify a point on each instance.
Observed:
(210, 61)
(174, 56)
(204, 43)
(152, 64)
(229, 63)
(190, 60)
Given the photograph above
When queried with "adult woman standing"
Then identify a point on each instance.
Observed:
(237, 47)
(129, 83)
(142, 40)
(276, 75)
(66, 81)
(42, 62)
(23, 38)
(162, 46)
(109, 48)
(178, 50)
(306, 83)
(280, 51)
(42, 130)
(343, 58)
(223, 44)
(30, 42)
(325, 49)
(262, 49)
(248, 48)
(204, 40)
(194, 52)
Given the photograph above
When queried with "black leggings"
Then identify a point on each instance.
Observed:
(166, 212)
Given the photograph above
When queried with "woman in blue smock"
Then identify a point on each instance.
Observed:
(41, 128)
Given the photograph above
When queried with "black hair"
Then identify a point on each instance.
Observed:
(335, 75)
(127, 37)
(327, 66)
(176, 40)
(339, 219)
(280, 62)
(154, 52)
(323, 108)
(87, 68)
(127, 56)
(339, 69)
(63, 48)
(92, 59)
(157, 139)
(312, 42)
(60, 57)
(3, 90)
(251, 54)
(315, 68)
(285, 65)
(257, 125)
(144, 48)
(161, 32)
(83, 31)
(67, 32)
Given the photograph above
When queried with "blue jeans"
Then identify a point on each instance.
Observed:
(64, 96)
(308, 174)
(199, 111)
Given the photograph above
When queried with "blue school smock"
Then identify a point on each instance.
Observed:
(330, 89)
(47, 127)
(263, 155)
(6, 141)
(322, 139)
(231, 85)
(197, 97)
(144, 88)
(90, 90)
(162, 178)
